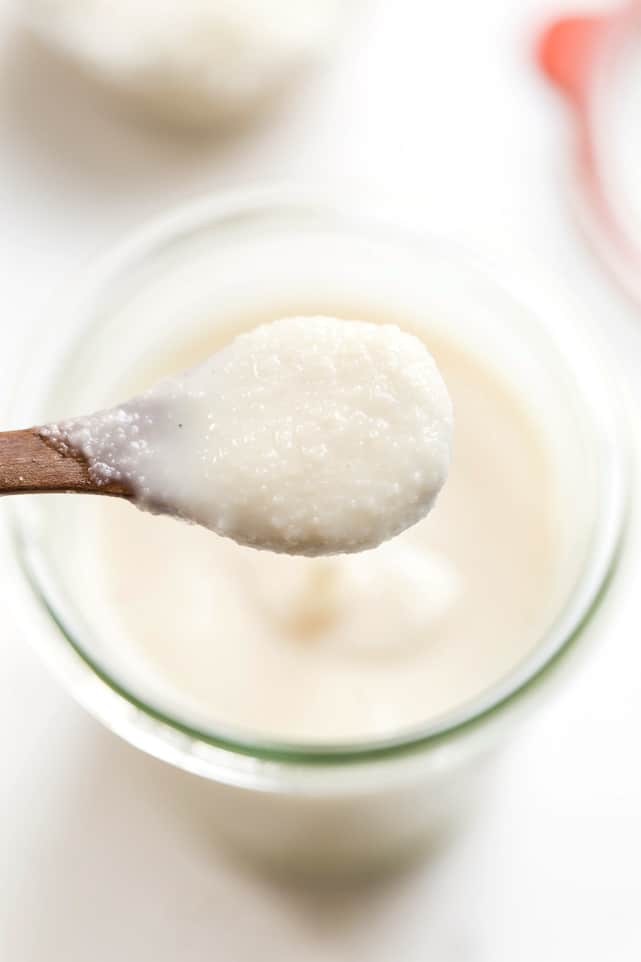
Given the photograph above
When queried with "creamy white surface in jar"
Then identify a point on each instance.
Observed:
(347, 647)
(305, 435)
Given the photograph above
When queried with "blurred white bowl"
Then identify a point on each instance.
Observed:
(192, 62)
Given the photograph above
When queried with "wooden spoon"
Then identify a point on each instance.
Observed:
(29, 464)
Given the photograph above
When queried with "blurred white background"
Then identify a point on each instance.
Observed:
(440, 105)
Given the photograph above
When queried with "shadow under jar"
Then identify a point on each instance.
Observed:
(344, 740)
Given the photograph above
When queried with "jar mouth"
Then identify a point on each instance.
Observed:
(601, 553)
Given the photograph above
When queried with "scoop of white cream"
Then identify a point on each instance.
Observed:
(192, 61)
(306, 436)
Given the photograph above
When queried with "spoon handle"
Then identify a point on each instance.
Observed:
(30, 465)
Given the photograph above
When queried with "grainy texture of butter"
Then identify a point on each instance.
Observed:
(307, 435)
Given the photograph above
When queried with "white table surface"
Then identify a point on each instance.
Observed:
(439, 104)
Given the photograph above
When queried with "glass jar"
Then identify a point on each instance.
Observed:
(272, 253)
